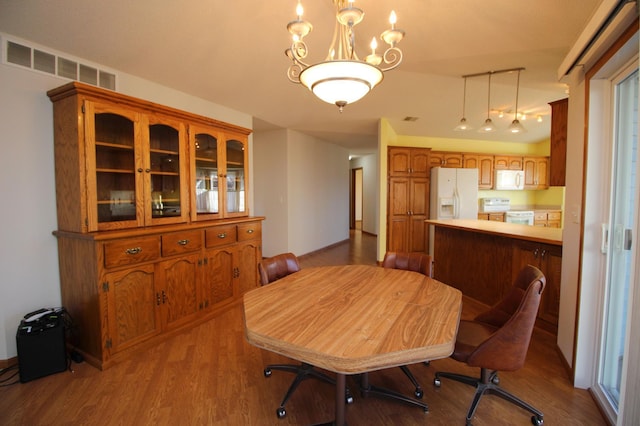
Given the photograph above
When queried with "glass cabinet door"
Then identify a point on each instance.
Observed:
(235, 201)
(204, 145)
(165, 197)
(111, 152)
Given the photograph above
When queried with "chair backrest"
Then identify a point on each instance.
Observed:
(276, 267)
(515, 315)
(417, 262)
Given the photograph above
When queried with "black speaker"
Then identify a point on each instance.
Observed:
(41, 347)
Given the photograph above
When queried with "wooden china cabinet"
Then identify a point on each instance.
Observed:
(154, 233)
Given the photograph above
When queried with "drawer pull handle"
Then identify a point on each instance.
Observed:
(249, 231)
(222, 235)
(183, 242)
(134, 250)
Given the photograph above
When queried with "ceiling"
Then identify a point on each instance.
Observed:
(232, 53)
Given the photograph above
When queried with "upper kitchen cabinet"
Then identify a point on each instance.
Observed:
(446, 159)
(219, 162)
(484, 164)
(406, 162)
(558, 142)
(122, 162)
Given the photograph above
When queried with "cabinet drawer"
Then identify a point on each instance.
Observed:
(220, 235)
(554, 215)
(181, 242)
(249, 231)
(540, 216)
(496, 217)
(127, 252)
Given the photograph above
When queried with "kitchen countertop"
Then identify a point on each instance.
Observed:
(512, 230)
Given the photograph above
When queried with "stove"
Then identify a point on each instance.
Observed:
(495, 204)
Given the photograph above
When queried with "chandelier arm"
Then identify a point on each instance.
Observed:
(392, 58)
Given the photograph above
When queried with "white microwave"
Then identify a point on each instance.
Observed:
(509, 180)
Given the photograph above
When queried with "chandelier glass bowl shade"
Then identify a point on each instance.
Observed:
(342, 78)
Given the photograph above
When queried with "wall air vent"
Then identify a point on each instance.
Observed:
(28, 56)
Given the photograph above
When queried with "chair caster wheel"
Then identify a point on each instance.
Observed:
(537, 421)
(437, 383)
(281, 412)
(348, 398)
(267, 372)
(419, 393)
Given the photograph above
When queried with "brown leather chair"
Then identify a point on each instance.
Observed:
(498, 340)
(272, 269)
(417, 262)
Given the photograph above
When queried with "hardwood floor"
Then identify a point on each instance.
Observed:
(210, 375)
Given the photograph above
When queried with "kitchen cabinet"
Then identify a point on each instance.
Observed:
(536, 172)
(403, 162)
(445, 159)
(484, 164)
(141, 189)
(547, 258)
(408, 199)
(408, 210)
(496, 217)
(551, 219)
(558, 142)
(507, 162)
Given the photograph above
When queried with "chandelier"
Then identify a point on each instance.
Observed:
(342, 78)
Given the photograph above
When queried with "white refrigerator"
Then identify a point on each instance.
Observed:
(453, 195)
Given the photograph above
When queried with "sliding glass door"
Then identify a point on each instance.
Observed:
(619, 240)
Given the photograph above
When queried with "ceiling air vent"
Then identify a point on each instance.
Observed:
(21, 54)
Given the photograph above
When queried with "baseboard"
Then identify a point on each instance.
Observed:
(565, 364)
(329, 247)
(6, 363)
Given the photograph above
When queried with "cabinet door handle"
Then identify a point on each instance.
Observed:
(147, 170)
(542, 254)
(134, 250)
(222, 235)
(140, 170)
(535, 253)
(158, 299)
(183, 242)
(164, 297)
(249, 231)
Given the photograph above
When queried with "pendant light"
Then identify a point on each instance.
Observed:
(463, 125)
(488, 125)
(515, 126)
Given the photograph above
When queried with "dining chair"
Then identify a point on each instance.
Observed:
(272, 269)
(498, 340)
(417, 262)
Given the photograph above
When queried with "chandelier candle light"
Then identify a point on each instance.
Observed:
(342, 78)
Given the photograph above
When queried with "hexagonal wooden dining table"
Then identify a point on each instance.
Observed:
(354, 319)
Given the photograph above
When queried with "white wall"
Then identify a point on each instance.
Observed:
(370, 194)
(271, 189)
(28, 254)
(302, 190)
(572, 218)
(318, 193)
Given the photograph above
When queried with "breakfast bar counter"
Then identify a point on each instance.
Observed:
(539, 234)
(482, 258)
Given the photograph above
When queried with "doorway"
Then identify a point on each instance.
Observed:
(355, 220)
